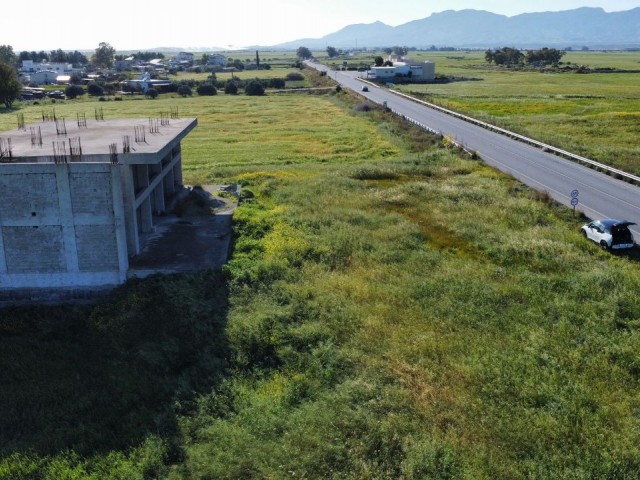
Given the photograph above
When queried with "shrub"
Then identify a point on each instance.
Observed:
(95, 90)
(185, 90)
(206, 89)
(74, 91)
(363, 107)
(277, 83)
(231, 88)
(294, 76)
(152, 93)
(254, 87)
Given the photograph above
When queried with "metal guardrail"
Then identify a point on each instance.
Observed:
(549, 148)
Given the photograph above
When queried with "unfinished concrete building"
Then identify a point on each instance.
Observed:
(78, 197)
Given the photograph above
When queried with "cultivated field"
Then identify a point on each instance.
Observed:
(391, 309)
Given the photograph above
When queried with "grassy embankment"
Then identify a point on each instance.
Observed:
(391, 310)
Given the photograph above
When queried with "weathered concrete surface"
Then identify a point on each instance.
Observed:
(197, 240)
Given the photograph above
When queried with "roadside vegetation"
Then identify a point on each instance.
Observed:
(587, 104)
(592, 110)
(392, 309)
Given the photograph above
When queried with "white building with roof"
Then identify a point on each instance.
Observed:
(43, 77)
(420, 71)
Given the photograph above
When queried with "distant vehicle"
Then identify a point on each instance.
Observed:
(57, 94)
(29, 93)
(365, 88)
(609, 233)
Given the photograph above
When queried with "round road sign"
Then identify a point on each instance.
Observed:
(574, 201)
(575, 193)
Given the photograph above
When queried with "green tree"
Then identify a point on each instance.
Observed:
(10, 87)
(77, 58)
(544, 56)
(73, 91)
(184, 90)
(332, 52)
(254, 87)
(151, 93)
(504, 56)
(204, 60)
(304, 53)
(206, 89)
(401, 51)
(378, 61)
(58, 56)
(278, 83)
(230, 88)
(95, 90)
(6, 54)
(104, 55)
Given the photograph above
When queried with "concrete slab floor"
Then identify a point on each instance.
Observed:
(196, 238)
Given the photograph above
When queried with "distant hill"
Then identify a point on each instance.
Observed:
(591, 27)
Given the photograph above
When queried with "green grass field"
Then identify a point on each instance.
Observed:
(392, 309)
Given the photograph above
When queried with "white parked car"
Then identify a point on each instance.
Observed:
(609, 233)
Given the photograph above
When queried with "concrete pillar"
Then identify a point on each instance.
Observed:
(130, 217)
(155, 170)
(146, 216)
(158, 195)
(177, 173)
(169, 183)
(3, 257)
(142, 177)
(119, 222)
(66, 218)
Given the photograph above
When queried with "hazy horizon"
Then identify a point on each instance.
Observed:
(133, 26)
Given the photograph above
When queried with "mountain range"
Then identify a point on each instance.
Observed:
(590, 27)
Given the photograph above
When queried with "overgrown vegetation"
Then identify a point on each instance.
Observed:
(390, 310)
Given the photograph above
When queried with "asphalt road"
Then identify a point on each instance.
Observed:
(600, 196)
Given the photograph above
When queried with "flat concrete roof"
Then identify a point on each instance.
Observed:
(96, 138)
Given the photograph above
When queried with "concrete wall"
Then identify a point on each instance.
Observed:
(75, 225)
(62, 225)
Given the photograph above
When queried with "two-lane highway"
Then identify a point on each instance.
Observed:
(600, 195)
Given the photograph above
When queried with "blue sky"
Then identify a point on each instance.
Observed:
(132, 25)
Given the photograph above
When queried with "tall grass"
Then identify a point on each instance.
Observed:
(399, 313)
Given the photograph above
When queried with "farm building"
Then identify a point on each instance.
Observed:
(43, 77)
(421, 71)
(78, 200)
(217, 59)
